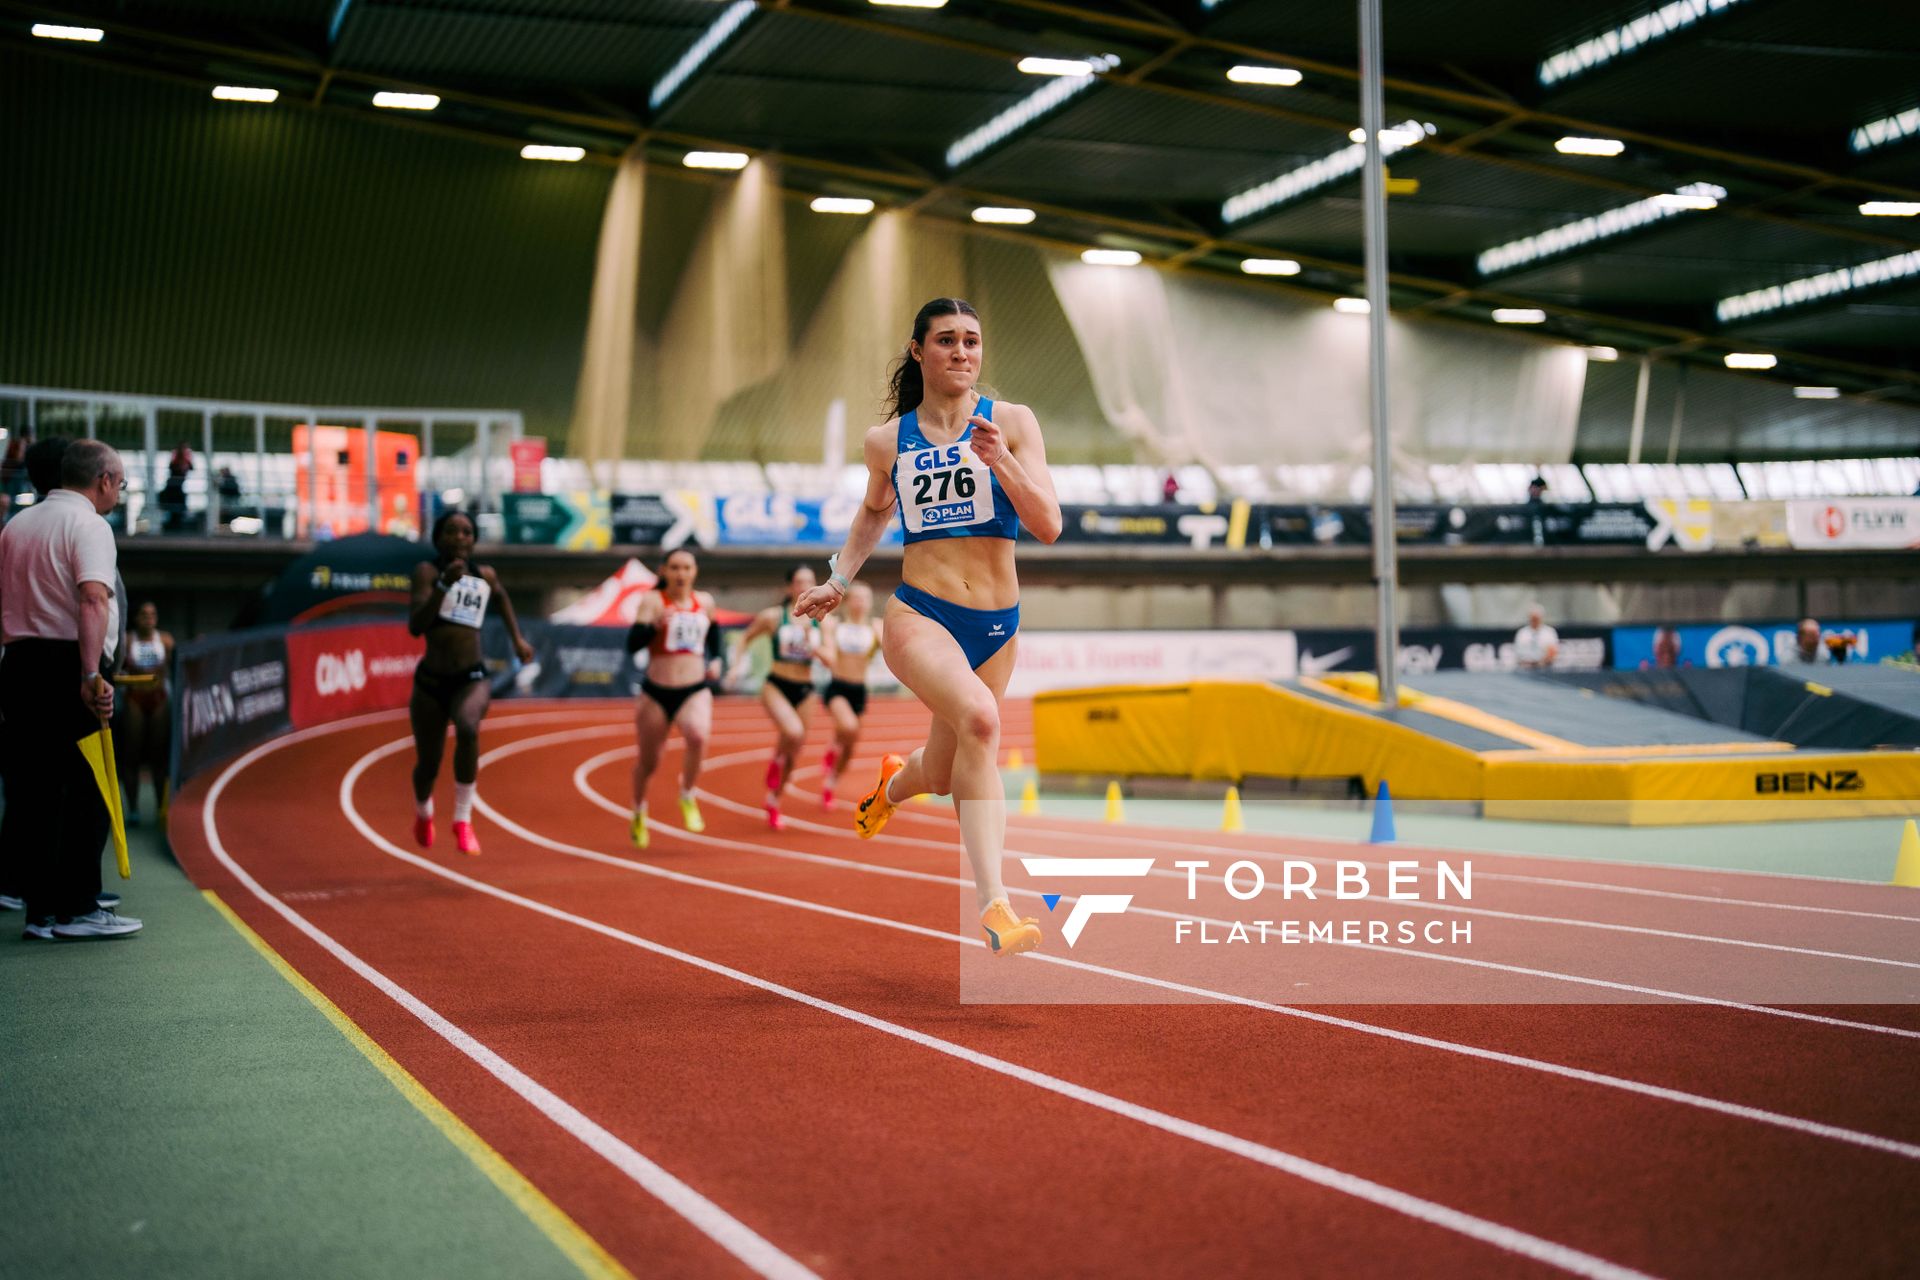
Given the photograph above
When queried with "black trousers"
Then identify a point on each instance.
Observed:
(56, 824)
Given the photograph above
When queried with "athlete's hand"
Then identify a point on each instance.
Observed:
(988, 442)
(818, 602)
(455, 570)
(523, 650)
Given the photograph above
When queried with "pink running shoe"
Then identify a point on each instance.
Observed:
(773, 774)
(423, 832)
(827, 763)
(464, 840)
(774, 819)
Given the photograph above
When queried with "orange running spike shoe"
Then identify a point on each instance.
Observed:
(1006, 934)
(875, 808)
(464, 840)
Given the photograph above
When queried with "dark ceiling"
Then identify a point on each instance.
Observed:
(1758, 97)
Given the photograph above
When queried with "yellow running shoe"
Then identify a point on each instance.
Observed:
(1006, 935)
(874, 808)
(690, 815)
(637, 829)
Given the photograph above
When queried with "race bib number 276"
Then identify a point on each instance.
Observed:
(943, 487)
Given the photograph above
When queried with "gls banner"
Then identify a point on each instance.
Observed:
(342, 671)
(777, 520)
(1757, 644)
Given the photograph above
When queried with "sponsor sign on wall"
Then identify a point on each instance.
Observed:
(1085, 659)
(780, 520)
(230, 693)
(342, 671)
(1842, 523)
(1757, 644)
(1425, 649)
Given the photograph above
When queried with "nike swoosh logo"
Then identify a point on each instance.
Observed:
(1314, 664)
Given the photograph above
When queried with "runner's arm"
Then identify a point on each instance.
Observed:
(869, 525)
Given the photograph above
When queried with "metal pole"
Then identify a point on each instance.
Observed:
(211, 522)
(1679, 412)
(150, 500)
(1639, 411)
(313, 471)
(260, 473)
(1374, 199)
(421, 480)
(484, 443)
(373, 475)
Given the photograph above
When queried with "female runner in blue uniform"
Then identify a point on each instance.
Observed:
(964, 472)
(451, 595)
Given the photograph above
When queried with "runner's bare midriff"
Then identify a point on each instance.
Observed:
(975, 573)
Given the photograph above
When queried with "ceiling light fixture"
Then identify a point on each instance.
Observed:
(1600, 226)
(1891, 208)
(541, 151)
(1603, 355)
(1009, 216)
(715, 160)
(1286, 77)
(244, 93)
(841, 204)
(1519, 315)
(1315, 174)
(1352, 306)
(1047, 98)
(1590, 146)
(1110, 257)
(1055, 66)
(1654, 25)
(54, 31)
(1880, 133)
(1813, 288)
(406, 101)
(1750, 360)
(910, 4)
(1270, 266)
(718, 32)
(1816, 393)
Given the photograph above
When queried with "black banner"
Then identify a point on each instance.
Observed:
(230, 694)
(640, 519)
(1168, 524)
(1447, 649)
(1539, 524)
(569, 661)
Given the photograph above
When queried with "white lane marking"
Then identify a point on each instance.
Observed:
(1497, 1235)
(712, 1221)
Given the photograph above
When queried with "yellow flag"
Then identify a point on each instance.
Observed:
(98, 749)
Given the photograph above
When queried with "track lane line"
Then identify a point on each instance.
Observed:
(715, 1223)
(1499, 1236)
(1758, 1115)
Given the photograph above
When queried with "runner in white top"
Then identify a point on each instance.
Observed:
(787, 695)
(853, 637)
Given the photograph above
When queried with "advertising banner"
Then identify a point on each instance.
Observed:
(577, 520)
(342, 671)
(1167, 524)
(1446, 649)
(1085, 659)
(778, 520)
(1539, 524)
(1853, 523)
(230, 694)
(1757, 644)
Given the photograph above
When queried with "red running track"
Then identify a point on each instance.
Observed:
(746, 1052)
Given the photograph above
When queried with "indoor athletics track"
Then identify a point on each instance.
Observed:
(744, 1052)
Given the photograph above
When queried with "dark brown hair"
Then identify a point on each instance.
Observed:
(905, 386)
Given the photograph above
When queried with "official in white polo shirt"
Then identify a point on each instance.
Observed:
(56, 612)
(1536, 645)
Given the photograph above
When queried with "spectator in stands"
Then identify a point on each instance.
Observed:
(1537, 490)
(56, 606)
(173, 496)
(1808, 647)
(229, 485)
(1170, 488)
(1536, 509)
(1536, 645)
(1666, 648)
(13, 469)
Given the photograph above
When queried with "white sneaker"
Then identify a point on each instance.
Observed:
(97, 924)
(10, 903)
(37, 931)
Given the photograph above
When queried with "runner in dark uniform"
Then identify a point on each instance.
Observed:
(451, 596)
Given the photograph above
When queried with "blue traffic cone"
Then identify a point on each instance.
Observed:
(1382, 816)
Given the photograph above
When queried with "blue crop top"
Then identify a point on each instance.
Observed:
(945, 491)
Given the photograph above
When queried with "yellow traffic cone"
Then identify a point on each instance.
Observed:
(1029, 799)
(1230, 819)
(1015, 760)
(1906, 868)
(1115, 811)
